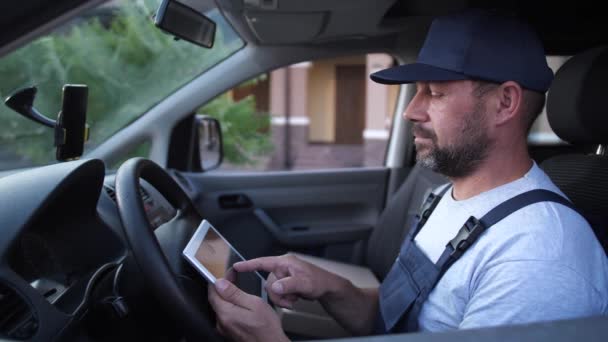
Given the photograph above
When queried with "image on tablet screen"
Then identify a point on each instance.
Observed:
(215, 254)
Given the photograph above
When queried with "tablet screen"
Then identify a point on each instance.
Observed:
(217, 256)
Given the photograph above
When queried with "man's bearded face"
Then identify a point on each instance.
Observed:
(463, 153)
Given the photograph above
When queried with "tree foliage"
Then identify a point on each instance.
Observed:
(246, 134)
(127, 63)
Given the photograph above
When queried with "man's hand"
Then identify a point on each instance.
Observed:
(290, 278)
(243, 317)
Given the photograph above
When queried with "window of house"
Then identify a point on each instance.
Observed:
(311, 115)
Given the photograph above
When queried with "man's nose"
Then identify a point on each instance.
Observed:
(416, 110)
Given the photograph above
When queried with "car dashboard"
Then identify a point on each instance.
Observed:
(61, 241)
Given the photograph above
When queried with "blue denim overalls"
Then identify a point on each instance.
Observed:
(413, 275)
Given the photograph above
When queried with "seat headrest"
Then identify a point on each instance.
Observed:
(577, 106)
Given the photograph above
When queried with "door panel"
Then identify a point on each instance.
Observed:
(325, 213)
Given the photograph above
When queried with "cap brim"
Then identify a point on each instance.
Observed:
(415, 72)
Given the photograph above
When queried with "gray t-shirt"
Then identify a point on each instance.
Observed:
(540, 263)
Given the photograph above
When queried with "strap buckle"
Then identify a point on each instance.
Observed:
(427, 208)
(466, 236)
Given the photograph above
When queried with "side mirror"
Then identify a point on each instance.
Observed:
(186, 23)
(210, 144)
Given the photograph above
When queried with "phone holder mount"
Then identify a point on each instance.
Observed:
(71, 130)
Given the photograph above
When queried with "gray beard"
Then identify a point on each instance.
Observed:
(463, 158)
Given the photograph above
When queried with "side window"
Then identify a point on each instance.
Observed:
(313, 115)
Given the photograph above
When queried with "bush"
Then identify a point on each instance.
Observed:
(246, 134)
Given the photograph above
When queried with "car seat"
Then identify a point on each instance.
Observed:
(577, 114)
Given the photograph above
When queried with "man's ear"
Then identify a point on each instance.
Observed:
(509, 102)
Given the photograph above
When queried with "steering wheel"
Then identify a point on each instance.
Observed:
(158, 252)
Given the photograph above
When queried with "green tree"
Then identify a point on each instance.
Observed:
(245, 132)
(127, 63)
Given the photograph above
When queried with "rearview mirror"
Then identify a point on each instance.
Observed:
(209, 142)
(186, 23)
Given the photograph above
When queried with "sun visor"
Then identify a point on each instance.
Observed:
(295, 27)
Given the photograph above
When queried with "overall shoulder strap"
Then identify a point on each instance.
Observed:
(473, 228)
(429, 204)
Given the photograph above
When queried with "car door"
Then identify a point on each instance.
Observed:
(327, 213)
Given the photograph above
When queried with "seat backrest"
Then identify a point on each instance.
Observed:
(396, 219)
(577, 114)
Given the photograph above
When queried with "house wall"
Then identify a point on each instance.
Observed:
(298, 79)
(277, 93)
(393, 93)
(379, 99)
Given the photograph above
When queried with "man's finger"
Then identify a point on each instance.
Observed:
(225, 310)
(285, 303)
(287, 286)
(290, 298)
(228, 315)
(271, 278)
(277, 274)
(219, 328)
(232, 294)
(268, 264)
(214, 298)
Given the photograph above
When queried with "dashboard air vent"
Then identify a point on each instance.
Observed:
(144, 194)
(17, 320)
(111, 192)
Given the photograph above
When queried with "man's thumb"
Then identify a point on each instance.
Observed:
(226, 290)
(232, 294)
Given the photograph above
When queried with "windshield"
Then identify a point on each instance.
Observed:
(127, 63)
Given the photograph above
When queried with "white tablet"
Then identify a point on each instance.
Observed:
(212, 255)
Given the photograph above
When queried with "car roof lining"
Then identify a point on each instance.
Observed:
(565, 29)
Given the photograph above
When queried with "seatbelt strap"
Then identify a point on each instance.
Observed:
(473, 228)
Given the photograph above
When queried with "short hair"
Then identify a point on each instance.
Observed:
(533, 101)
(483, 87)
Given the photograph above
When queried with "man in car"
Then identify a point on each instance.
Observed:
(481, 79)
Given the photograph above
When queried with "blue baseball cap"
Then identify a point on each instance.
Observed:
(476, 44)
